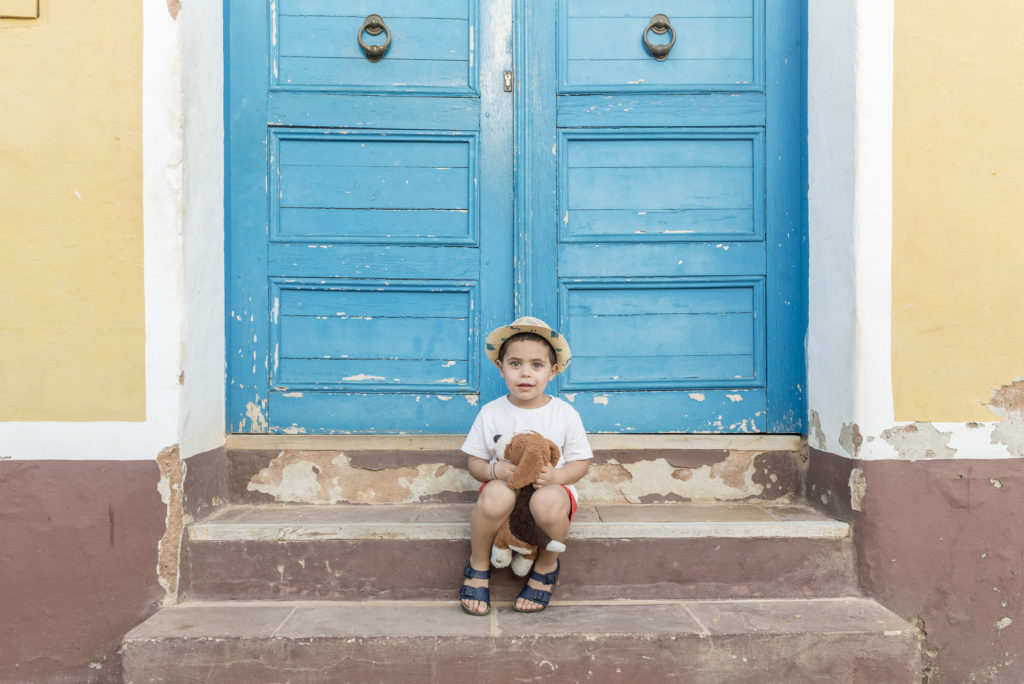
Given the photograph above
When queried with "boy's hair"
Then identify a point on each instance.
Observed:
(518, 337)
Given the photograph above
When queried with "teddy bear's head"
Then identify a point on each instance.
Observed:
(529, 452)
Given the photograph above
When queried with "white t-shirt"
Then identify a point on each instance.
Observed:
(556, 420)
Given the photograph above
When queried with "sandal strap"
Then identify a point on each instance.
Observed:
(549, 578)
(536, 595)
(475, 593)
(473, 573)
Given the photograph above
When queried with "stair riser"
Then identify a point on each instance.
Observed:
(616, 476)
(593, 569)
(811, 657)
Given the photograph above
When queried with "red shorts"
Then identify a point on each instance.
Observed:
(572, 499)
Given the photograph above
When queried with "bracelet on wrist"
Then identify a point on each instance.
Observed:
(493, 476)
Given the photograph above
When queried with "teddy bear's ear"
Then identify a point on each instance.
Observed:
(501, 446)
(555, 454)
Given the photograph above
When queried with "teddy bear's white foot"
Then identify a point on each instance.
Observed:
(557, 547)
(500, 558)
(521, 566)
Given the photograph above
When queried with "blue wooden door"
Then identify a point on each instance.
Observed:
(657, 217)
(667, 193)
(370, 241)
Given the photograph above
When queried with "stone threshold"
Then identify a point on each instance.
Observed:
(291, 522)
(430, 619)
(599, 442)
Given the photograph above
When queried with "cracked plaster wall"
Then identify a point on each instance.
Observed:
(323, 477)
(1002, 437)
(171, 488)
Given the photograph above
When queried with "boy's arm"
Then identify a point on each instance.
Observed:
(570, 473)
(478, 457)
(483, 471)
(577, 453)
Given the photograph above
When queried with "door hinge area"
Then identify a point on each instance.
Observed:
(506, 78)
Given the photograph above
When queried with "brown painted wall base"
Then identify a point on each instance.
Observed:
(77, 565)
(940, 543)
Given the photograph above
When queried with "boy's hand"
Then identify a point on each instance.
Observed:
(503, 470)
(546, 477)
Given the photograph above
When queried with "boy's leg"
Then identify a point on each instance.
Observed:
(551, 508)
(492, 507)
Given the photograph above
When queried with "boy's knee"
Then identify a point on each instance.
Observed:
(550, 503)
(496, 499)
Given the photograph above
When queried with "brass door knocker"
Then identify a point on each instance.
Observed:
(660, 25)
(373, 25)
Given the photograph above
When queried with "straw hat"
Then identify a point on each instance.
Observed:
(531, 325)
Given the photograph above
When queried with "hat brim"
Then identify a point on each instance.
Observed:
(563, 354)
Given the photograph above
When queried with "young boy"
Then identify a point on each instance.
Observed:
(528, 354)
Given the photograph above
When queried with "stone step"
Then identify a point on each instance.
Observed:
(418, 551)
(788, 640)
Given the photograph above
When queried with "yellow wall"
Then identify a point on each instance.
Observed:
(958, 214)
(72, 334)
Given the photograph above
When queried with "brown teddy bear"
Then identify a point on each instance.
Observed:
(529, 452)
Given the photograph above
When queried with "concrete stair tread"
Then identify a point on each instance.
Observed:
(303, 522)
(347, 619)
(713, 642)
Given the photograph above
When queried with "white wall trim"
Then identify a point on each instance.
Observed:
(831, 142)
(850, 81)
(202, 418)
(873, 399)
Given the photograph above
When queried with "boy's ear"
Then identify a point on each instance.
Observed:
(555, 369)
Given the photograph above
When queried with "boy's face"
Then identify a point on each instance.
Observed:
(526, 370)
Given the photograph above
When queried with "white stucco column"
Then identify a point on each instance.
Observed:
(202, 414)
(850, 82)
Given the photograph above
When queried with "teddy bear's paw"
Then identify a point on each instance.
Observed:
(557, 547)
(500, 558)
(521, 566)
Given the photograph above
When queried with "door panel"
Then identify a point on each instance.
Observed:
(657, 222)
(676, 272)
(715, 340)
(314, 46)
(411, 335)
(361, 275)
(385, 187)
(662, 186)
(717, 44)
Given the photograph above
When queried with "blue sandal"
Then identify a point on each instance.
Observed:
(475, 593)
(539, 595)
